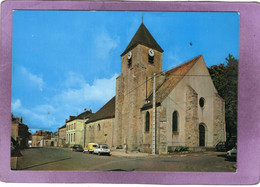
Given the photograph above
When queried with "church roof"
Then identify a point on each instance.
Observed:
(172, 78)
(106, 112)
(144, 37)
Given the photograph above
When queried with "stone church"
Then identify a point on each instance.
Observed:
(154, 111)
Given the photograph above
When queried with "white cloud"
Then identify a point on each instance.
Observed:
(16, 104)
(35, 117)
(101, 90)
(104, 44)
(73, 79)
(69, 101)
(34, 79)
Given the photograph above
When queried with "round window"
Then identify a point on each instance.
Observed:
(202, 102)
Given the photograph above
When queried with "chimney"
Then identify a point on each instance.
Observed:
(21, 119)
(66, 120)
(17, 118)
(85, 110)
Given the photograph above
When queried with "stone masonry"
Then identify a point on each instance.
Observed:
(191, 125)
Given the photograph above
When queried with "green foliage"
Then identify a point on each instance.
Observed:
(172, 149)
(225, 79)
(119, 147)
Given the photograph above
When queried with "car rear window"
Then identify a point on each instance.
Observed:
(105, 147)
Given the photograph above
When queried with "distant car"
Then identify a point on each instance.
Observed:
(221, 146)
(232, 154)
(77, 148)
(90, 147)
(102, 149)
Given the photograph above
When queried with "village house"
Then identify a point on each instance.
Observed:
(75, 128)
(42, 139)
(62, 136)
(155, 111)
(19, 132)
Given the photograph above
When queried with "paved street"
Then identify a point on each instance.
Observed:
(65, 159)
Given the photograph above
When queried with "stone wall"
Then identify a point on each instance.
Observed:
(131, 90)
(36, 140)
(219, 132)
(162, 130)
(191, 124)
(62, 137)
(100, 132)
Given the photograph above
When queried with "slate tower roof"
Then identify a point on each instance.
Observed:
(144, 37)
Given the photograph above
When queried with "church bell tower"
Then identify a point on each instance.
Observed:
(139, 61)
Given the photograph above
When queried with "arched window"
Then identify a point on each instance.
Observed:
(99, 127)
(175, 121)
(147, 121)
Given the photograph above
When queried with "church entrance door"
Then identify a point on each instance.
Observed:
(201, 135)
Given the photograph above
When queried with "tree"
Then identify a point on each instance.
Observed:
(225, 79)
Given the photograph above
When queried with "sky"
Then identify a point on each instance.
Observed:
(65, 61)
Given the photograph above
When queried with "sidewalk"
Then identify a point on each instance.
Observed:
(122, 153)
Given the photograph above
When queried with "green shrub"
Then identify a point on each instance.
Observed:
(119, 147)
(170, 149)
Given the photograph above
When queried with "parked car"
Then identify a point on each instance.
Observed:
(221, 146)
(77, 148)
(232, 154)
(90, 147)
(102, 149)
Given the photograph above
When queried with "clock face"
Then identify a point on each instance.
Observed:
(151, 52)
(129, 56)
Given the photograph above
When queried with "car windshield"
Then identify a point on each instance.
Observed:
(94, 145)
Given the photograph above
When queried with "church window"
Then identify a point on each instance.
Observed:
(129, 62)
(147, 121)
(202, 102)
(175, 121)
(99, 127)
(150, 59)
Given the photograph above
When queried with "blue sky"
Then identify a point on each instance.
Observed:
(65, 61)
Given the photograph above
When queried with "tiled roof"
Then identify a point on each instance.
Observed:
(84, 115)
(106, 112)
(172, 78)
(64, 126)
(144, 37)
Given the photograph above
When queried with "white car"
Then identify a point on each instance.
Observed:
(232, 154)
(102, 149)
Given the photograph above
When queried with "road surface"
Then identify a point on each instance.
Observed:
(65, 159)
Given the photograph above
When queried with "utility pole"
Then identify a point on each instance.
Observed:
(154, 116)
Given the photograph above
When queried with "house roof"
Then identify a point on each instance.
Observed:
(172, 78)
(144, 37)
(84, 115)
(106, 112)
(64, 126)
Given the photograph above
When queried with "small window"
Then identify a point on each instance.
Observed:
(99, 127)
(147, 121)
(150, 59)
(202, 102)
(175, 121)
(129, 62)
